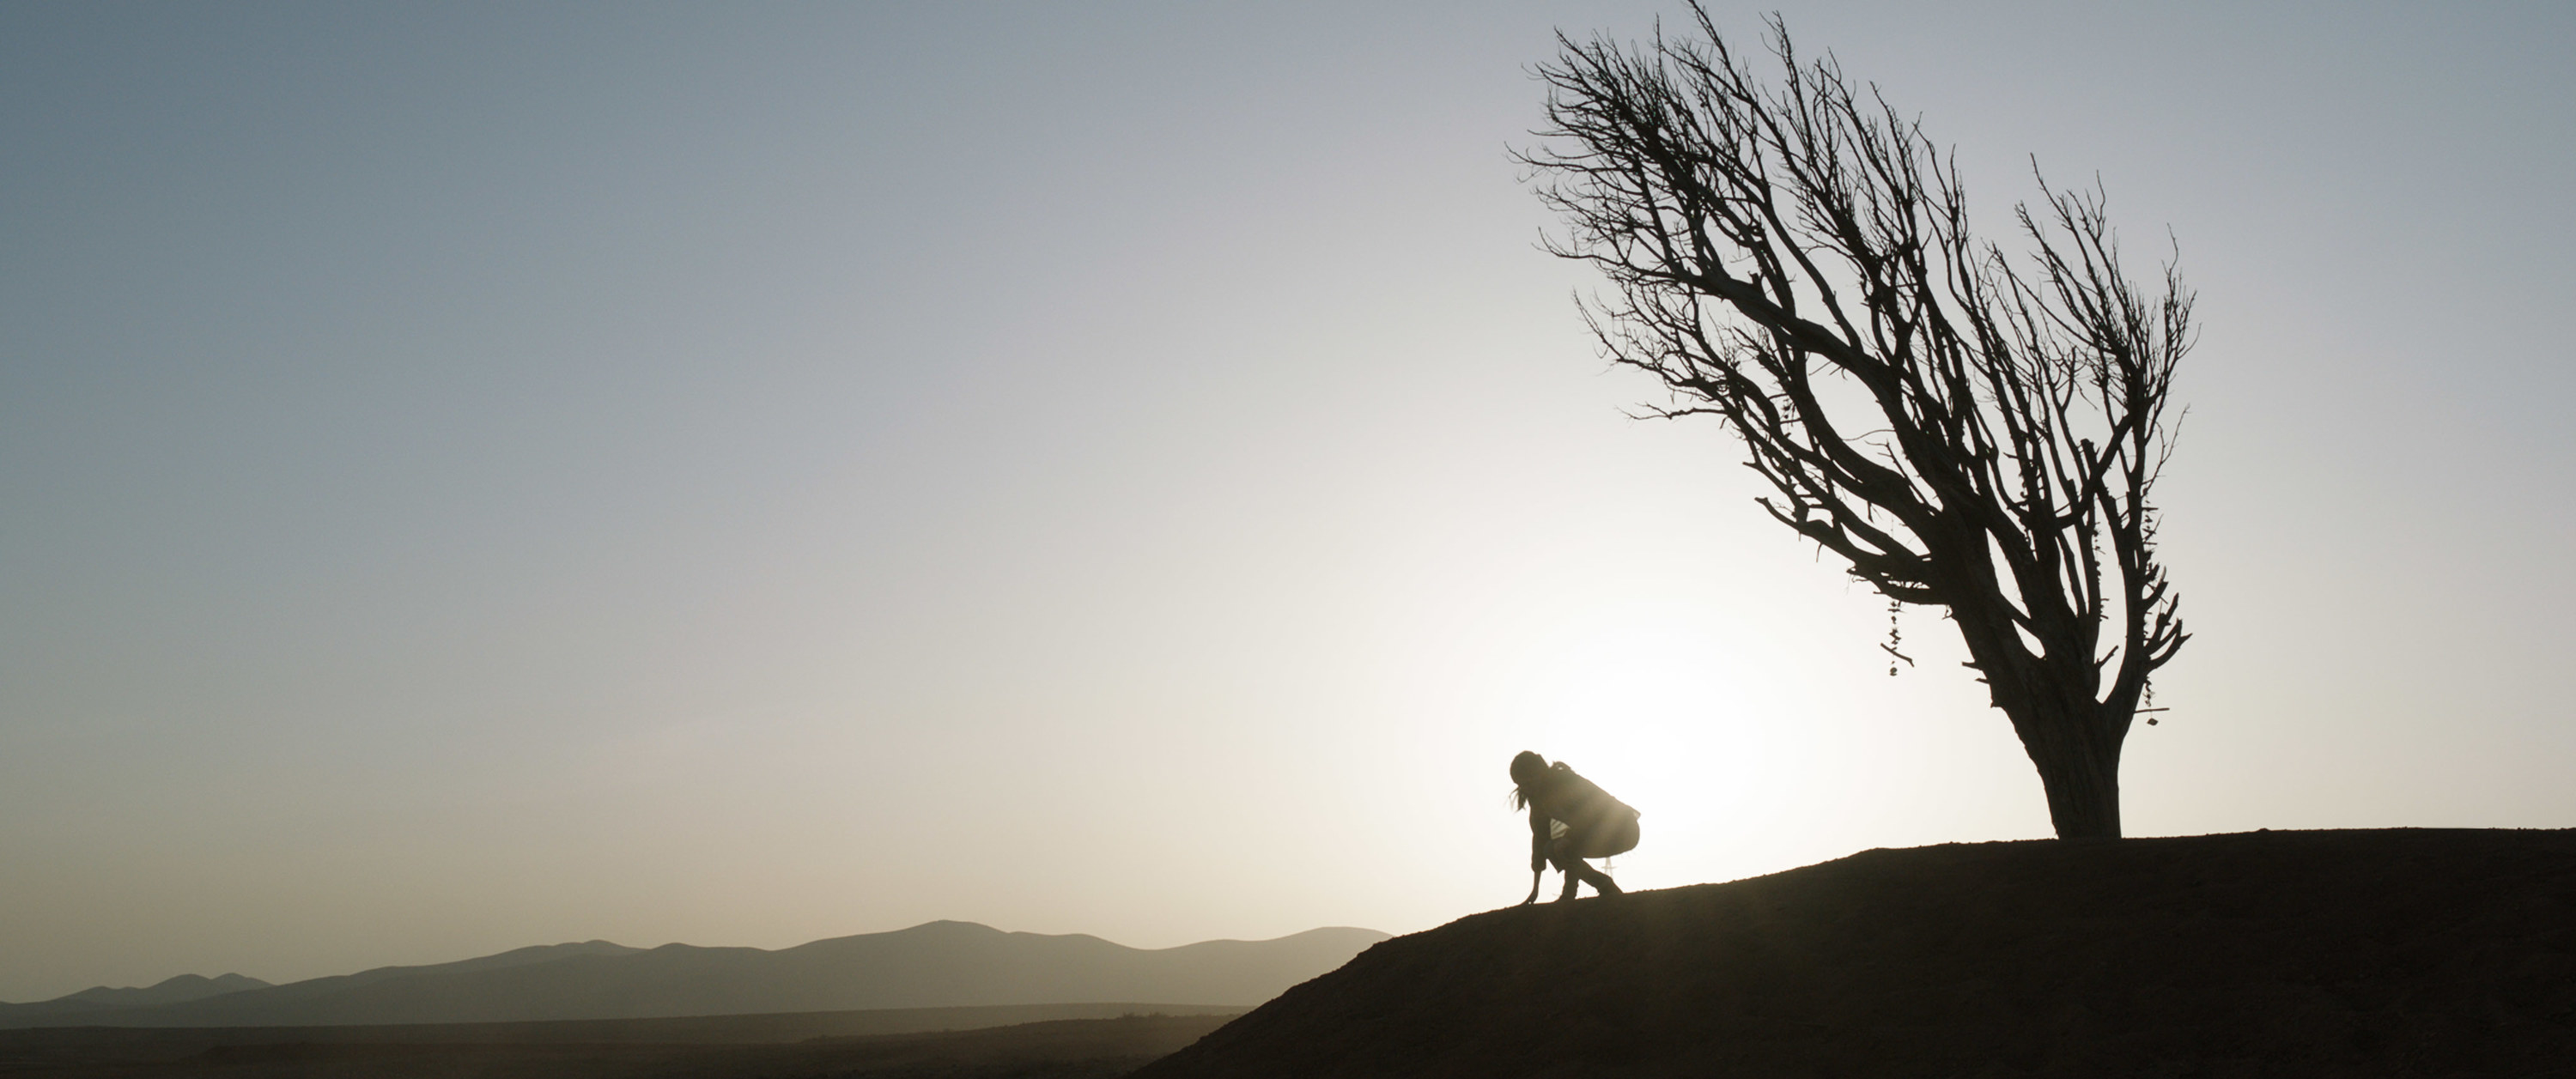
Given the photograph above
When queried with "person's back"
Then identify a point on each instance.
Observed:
(1578, 802)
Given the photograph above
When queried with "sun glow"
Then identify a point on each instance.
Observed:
(1678, 712)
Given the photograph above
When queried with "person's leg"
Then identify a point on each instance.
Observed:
(1580, 874)
(1600, 841)
(1560, 855)
(1599, 880)
(1577, 872)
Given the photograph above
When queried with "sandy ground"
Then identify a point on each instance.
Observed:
(2341, 953)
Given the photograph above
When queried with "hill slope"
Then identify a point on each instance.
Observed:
(938, 964)
(2272, 953)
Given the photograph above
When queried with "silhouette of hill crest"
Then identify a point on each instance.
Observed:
(2405, 951)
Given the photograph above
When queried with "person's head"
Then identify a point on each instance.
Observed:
(1527, 770)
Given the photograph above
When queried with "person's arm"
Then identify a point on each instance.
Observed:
(1538, 851)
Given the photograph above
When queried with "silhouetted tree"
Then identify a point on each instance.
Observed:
(1968, 430)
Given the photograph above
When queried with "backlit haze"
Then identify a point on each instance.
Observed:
(487, 475)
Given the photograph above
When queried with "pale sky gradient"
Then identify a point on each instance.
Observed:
(485, 475)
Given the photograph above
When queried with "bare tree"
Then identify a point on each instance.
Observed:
(1969, 430)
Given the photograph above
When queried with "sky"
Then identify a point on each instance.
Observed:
(484, 475)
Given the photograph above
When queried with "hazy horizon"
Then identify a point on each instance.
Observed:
(484, 477)
(259, 982)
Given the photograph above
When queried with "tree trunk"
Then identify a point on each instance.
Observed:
(2072, 739)
(2080, 770)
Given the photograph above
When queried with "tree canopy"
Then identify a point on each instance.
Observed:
(1966, 427)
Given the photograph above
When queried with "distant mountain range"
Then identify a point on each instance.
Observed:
(937, 964)
(101, 1000)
